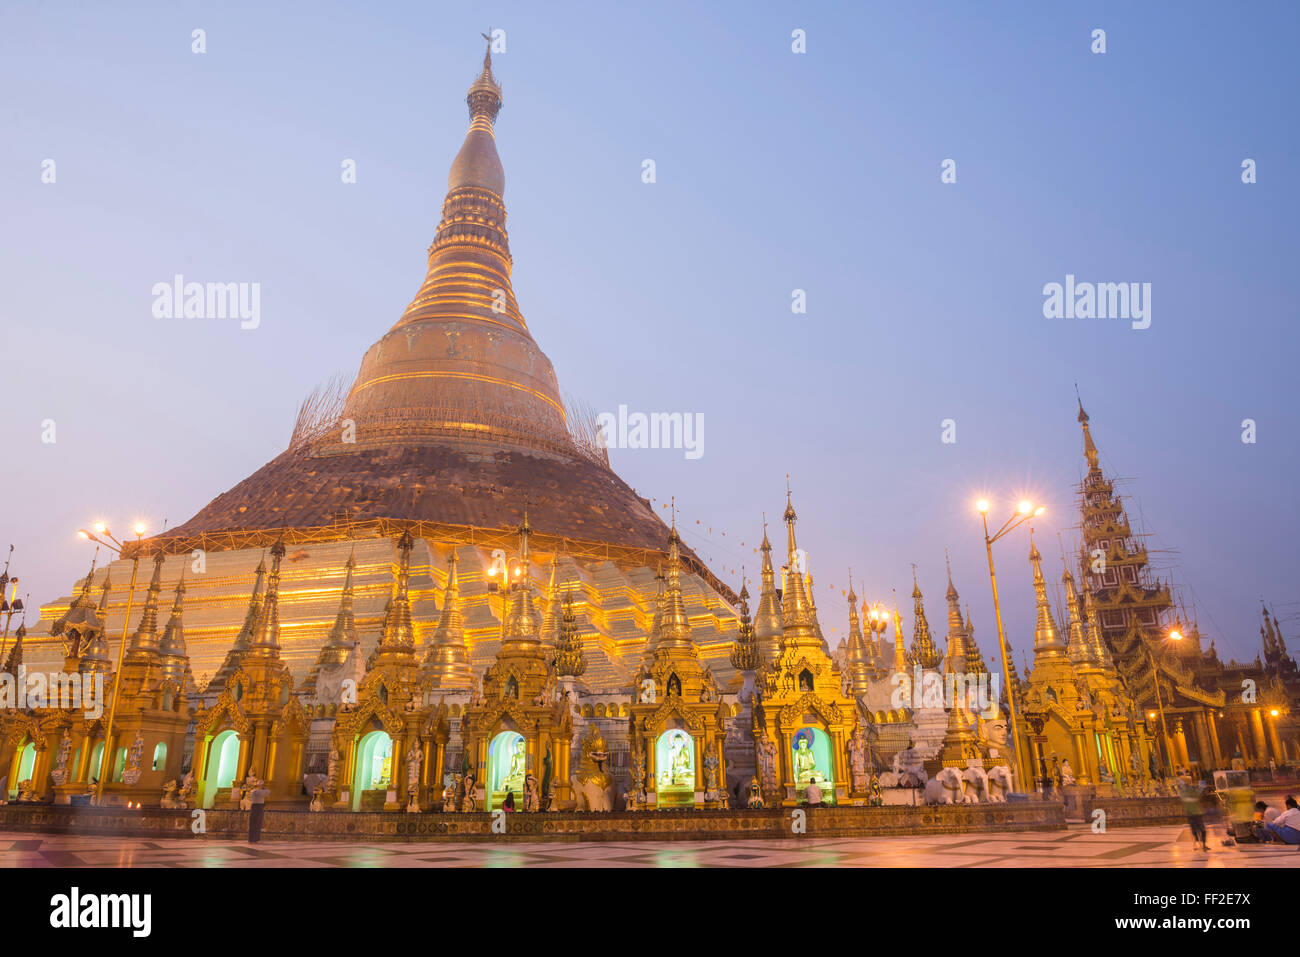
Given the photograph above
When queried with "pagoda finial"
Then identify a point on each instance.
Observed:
(1046, 638)
(924, 651)
(1089, 447)
(768, 626)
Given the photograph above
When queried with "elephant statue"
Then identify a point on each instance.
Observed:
(977, 785)
(999, 783)
(945, 788)
(889, 779)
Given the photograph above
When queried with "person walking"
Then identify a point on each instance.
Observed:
(257, 812)
(1190, 795)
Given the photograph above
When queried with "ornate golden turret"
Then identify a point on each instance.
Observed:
(857, 659)
(960, 737)
(768, 627)
(924, 651)
(1047, 640)
(569, 660)
(446, 663)
(144, 642)
(745, 655)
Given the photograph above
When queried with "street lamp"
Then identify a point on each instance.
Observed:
(877, 622)
(115, 546)
(1024, 512)
(1174, 635)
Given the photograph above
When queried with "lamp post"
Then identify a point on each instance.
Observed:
(1024, 512)
(115, 546)
(10, 605)
(1174, 635)
(877, 622)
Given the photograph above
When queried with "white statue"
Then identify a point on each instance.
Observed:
(767, 765)
(131, 773)
(60, 772)
(999, 783)
(532, 793)
(945, 788)
(1067, 773)
(332, 770)
(414, 758)
(977, 784)
(857, 748)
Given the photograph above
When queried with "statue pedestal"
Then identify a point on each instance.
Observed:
(1075, 796)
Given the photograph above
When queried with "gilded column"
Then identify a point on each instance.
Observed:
(1275, 742)
(1216, 746)
(1257, 729)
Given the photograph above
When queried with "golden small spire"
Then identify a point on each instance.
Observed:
(901, 663)
(447, 660)
(924, 651)
(1047, 641)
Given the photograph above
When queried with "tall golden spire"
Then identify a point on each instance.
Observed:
(1089, 448)
(974, 657)
(924, 651)
(554, 612)
(398, 636)
(245, 636)
(955, 659)
(523, 624)
(1076, 646)
(768, 627)
(171, 648)
(1098, 654)
(447, 661)
(902, 664)
(144, 642)
(342, 639)
(797, 619)
(94, 649)
(460, 364)
(1047, 641)
(857, 661)
(675, 628)
(266, 630)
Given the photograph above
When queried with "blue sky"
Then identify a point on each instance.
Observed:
(775, 171)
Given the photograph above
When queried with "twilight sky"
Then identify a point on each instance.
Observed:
(775, 171)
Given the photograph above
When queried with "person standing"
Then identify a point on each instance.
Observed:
(1190, 795)
(257, 811)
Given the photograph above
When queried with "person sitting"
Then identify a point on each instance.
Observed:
(509, 803)
(1286, 826)
(813, 794)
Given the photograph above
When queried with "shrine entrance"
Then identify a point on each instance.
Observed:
(507, 765)
(675, 769)
(223, 762)
(22, 767)
(374, 768)
(811, 760)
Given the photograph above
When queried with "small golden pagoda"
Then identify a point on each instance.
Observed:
(517, 728)
(802, 719)
(257, 728)
(678, 718)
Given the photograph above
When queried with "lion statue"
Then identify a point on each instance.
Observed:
(593, 786)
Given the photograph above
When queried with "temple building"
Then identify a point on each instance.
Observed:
(441, 597)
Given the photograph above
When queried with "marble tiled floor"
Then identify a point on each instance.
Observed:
(1077, 847)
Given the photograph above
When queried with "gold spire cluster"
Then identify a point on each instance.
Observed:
(446, 662)
(745, 655)
(569, 659)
